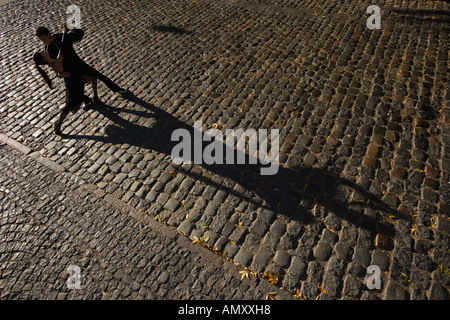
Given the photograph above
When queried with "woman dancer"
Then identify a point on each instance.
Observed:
(73, 80)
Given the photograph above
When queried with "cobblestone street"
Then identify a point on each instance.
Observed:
(50, 223)
(364, 122)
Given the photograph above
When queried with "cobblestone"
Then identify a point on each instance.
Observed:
(363, 118)
(50, 223)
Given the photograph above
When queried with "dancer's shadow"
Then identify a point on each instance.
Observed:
(292, 193)
(432, 15)
(169, 28)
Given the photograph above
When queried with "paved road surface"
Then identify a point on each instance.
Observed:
(364, 120)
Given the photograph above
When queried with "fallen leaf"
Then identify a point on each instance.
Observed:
(298, 295)
(244, 274)
(272, 277)
(270, 295)
(334, 231)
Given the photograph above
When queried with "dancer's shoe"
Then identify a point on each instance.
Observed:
(58, 129)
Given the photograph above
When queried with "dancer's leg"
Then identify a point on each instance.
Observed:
(93, 82)
(94, 88)
(58, 124)
(96, 74)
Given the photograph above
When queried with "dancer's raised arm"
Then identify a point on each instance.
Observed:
(72, 35)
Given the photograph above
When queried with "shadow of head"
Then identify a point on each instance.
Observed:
(431, 15)
(169, 28)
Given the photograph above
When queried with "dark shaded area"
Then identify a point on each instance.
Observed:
(169, 28)
(424, 14)
(300, 194)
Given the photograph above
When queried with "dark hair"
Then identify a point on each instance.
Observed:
(42, 31)
(53, 50)
(39, 60)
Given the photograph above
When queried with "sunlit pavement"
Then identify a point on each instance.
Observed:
(363, 116)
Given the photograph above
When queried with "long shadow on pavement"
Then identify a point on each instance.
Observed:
(301, 194)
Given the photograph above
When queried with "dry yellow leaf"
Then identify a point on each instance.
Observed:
(244, 274)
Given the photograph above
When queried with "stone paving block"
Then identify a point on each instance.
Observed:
(322, 251)
(259, 228)
(211, 208)
(111, 160)
(309, 290)
(151, 196)
(243, 257)
(94, 168)
(120, 178)
(394, 292)
(380, 259)
(282, 258)
(352, 286)
(278, 228)
(298, 267)
(162, 198)
(361, 255)
(172, 204)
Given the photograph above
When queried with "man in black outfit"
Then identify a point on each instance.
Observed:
(65, 42)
